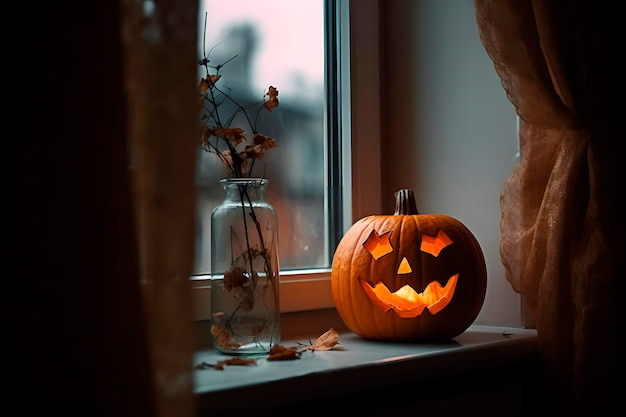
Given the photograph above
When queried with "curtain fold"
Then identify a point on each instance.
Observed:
(559, 220)
(161, 80)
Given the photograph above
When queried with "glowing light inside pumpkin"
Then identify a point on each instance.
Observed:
(434, 245)
(406, 302)
(378, 245)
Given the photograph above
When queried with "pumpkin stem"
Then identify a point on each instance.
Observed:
(405, 202)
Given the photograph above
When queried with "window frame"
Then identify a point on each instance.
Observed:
(358, 126)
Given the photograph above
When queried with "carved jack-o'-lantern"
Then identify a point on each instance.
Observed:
(408, 276)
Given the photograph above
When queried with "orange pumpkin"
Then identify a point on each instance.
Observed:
(408, 276)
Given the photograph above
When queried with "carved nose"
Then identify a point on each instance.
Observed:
(404, 267)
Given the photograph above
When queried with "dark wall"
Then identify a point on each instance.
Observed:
(72, 321)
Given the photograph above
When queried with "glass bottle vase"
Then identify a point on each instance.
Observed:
(245, 310)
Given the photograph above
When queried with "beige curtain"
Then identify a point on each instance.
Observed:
(558, 63)
(99, 159)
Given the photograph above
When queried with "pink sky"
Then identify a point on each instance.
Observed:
(287, 25)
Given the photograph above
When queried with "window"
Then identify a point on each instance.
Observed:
(279, 43)
(311, 185)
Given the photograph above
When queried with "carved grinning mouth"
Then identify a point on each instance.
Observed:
(408, 303)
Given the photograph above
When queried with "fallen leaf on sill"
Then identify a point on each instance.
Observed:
(326, 341)
(203, 365)
(282, 353)
(232, 362)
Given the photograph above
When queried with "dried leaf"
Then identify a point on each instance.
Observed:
(239, 361)
(325, 342)
(203, 365)
(282, 353)
(233, 362)
(222, 337)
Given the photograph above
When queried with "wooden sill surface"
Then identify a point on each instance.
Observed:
(357, 367)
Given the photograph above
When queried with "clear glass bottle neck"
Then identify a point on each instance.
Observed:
(247, 189)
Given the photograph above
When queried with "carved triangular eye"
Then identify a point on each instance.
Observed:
(378, 245)
(434, 245)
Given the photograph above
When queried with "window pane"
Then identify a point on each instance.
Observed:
(278, 43)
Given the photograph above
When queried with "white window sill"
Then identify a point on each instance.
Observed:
(480, 360)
